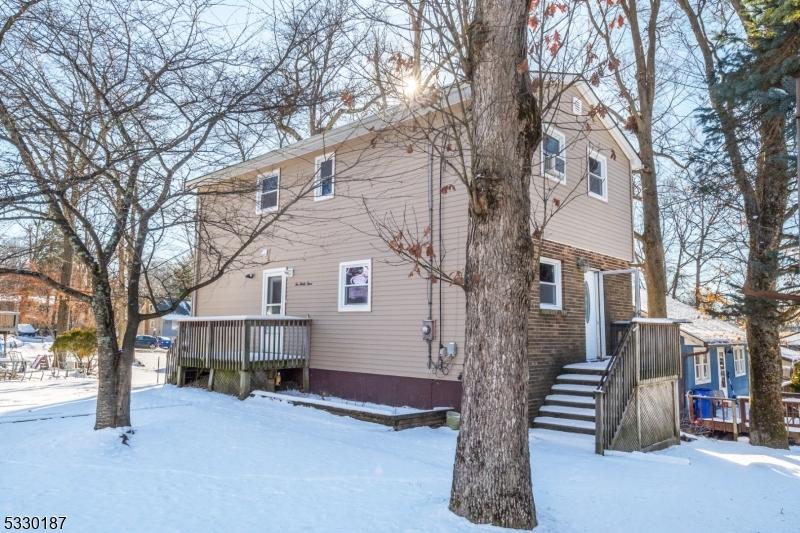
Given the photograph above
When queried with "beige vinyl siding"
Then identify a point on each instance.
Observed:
(586, 222)
(387, 339)
(392, 182)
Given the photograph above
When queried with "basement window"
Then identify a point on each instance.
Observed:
(702, 369)
(355, 285)
(549, 283)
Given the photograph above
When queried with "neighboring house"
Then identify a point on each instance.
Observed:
(790, 358)
(368, 313)
(167, 325)
(714, 351)
(790, 337)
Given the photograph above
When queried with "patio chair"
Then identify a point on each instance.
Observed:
(14, 365)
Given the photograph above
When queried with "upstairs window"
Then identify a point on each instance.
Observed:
(598, 176)
(267, 199)
(355, 285)
(324, 177)
(549, 283)
(739, 362)
(554, 163)
(702, 369)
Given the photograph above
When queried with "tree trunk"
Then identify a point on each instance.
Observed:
(767, 425)
(491, 475)
(113, 364)
(655, 270)
(65, 278)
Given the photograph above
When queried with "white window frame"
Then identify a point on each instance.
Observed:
(604, 165)
(318, 177)
(739, 361)
(702, 361)
(557, 267)
(722, 369)
(269, 273)
(355, 307)
(261, 178)
(562, 140)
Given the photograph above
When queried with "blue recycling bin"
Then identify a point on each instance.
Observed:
(703, 408)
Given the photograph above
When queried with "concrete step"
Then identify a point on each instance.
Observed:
(574, 390)
(572, 413)
(579, 379)
(568, 400)
(564, 424)
(591, 367)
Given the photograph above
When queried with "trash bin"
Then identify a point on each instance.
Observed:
(703, 408)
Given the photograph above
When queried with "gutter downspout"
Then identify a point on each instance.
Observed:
(430, 242)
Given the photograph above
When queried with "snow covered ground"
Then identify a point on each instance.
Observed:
(200, 461)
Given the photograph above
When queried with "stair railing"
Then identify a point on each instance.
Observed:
(615, 389)
(648, 352)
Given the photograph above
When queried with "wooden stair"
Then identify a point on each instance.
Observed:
(570, 405)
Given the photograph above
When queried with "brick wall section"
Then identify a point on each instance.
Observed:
(557, 338)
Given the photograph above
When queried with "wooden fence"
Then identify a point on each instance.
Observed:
(8, 321)
(636, 402)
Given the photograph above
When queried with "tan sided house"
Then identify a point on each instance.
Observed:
(322, 301)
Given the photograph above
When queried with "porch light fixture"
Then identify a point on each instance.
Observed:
(583, 264)
(250, 275)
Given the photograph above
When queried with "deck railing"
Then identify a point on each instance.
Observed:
(649, 351)
(732, 415)
(241, 343)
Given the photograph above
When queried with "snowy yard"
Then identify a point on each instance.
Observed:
(207, 462)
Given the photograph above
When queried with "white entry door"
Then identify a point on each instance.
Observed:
(273, 297)
(273, 300)
(723, 370)
(592, 315)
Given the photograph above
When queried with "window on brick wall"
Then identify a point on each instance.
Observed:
(549, 283)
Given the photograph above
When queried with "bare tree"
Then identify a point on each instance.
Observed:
(700, 220)
(640, 28)
(746, 53)
(135, 96)
(491, 475)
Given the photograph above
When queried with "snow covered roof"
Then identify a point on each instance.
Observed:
(790, 339)
(702, 326)
(788, 354)
(26, 328)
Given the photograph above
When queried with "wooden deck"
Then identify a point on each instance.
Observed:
(252, 346)
(731, 415)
